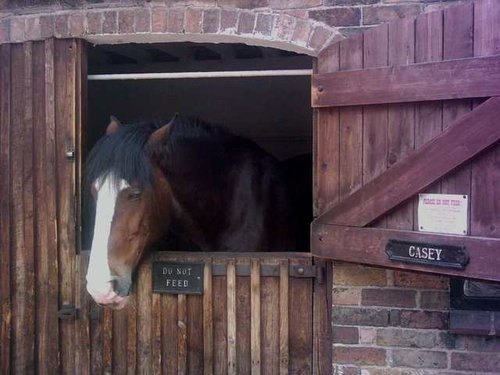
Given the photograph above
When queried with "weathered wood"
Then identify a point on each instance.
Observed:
(468, 136)
(120, 341)
(156, 337)
(255, 315)
(181, 334)
(464, 78)
(231, 318)
(132, 335)
(269, 321)
(195, 334)
(243, 318)
(107, 341)
(169, 334)
(144, 330)
(220, 324)
(208, 325)
(284, 319)
(82, 332)
(5, 209)
(367, 246)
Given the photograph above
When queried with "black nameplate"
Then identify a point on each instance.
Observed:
(436, 255)
(178, 278)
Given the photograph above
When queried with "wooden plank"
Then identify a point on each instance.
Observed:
(284, 319)
(231, 318)
(269, 321)
(255, 315)
(208, 325)
(300, 320)
(326, 141)
(82, 332)
(169, 334)
(468, 136)
(120, 341)
(464, 78)
(107, 338)
(351, 124)
(156, 338)
(181, 334)
(96, 339)
(367, 246)
(144, 327)
(5, 209)
(243, 317)
(65, 98)
(220, 324)
(194, 334)
(132, 335)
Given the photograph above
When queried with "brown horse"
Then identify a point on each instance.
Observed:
(220, 191)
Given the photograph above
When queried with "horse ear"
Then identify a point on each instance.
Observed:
(162, 132)
(114, 125)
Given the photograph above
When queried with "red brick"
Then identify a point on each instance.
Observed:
(94, 23)
(359, 355)
(246, 23)
(126, 21)
(244, 4)
(158, 20)
(476, 361)
(360, 316)
(285, 27)
(346, 370)
(337, 16)
(175, 23)
(265, 23)
(301, 32)
(142, 20)
(424, 319)
(388, 297)
(61, 25)
(378, 14)
(211, 20)
(434, 300)
(194, 18)
(346, 296)
(351, 2)
(33, 31)
(477, 343)
(470, 322)
(110, 22)
(77, 24)
(418, 280)
(4, 31)
(288, 4)
(419, 358)
(190, 2)
(408, 338)
(229, 19)
(346, 273)
(345, 335)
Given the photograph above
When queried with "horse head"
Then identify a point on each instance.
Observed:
(133, 207)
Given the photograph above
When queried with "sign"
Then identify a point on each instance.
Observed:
(436, 255)
(178, 278)
(442, 213)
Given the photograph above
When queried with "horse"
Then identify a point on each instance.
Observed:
(220, 191)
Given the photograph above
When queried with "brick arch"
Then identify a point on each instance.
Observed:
(168, 24)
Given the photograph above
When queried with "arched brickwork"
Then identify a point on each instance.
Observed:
(168, 24)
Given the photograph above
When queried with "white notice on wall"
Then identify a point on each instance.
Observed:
(442, 213)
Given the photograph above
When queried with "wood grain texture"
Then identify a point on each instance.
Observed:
(467, 137)
(208, 325)
(169, 334)
(269, 321)
(156, 334)
(5, 208)
(82, 332)
(255, 316)
(144, 324)
(195, 334)
(284, 319)
(181, 334)
(231, 318)
(367, 246)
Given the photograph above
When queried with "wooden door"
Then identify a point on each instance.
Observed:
(40, 116)
(404, 108)
(259, 313)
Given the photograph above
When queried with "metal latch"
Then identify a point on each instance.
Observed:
(70, 153)
(313, 271)
(67, 312)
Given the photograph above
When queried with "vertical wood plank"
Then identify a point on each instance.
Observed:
(132, 335)
(231, 317)
(322, 324)
(144, 318)
(400, 136)
(65, 99)
(169, 334)
(182, 334)
(194, 334)
(351, 123)
(120, 341)
(326, 141)
(485, 201)
(284, 321)
(156, 334)
(107, 341)
(208, 329)
(96, 338)
(52, 338)
(220, 324)
(5, 208)
(243, 320)
(270, 321)
(255, 315)
(82, 333)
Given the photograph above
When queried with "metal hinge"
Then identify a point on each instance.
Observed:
(313, 271)
(68, 312)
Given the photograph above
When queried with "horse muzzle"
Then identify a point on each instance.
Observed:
(109, 296)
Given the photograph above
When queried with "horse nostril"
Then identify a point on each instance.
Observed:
(121, 286)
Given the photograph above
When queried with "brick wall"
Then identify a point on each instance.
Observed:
(394, 323)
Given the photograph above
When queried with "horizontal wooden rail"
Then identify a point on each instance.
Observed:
(367, 246)
(453, 79)
(464, 139)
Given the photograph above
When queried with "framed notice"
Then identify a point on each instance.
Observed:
(442, 213)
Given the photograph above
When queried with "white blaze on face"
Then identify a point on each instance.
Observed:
(99, 274)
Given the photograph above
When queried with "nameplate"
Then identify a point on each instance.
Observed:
(427, 254)
(178, 277)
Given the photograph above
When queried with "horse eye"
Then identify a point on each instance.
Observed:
(134, 194)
